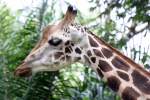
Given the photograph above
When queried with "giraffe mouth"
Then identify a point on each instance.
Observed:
(23, 71)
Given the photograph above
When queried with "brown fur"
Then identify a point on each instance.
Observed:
(123, 75)
(114, 83)
(45, 34)
(104, 66)
(130, 94)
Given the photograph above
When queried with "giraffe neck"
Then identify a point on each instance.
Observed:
(123, 75)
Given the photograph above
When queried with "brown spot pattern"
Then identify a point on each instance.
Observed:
(87, 59)
(141, 82)
(114, 83)
(120, 64)
(67, 50)
(130, 94)
(68, 57)
(89, 53)
(58, 54)
(72, 44)
(70, 48)
(77, 50)
(92, 42)
(93, 59)
(123, 75)
(97, 53)
(100, 73)
(67, 42)
(107, 53)
(104, 66)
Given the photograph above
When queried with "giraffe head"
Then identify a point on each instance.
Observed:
(60, 45)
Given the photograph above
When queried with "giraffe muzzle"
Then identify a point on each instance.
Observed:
(23, 71)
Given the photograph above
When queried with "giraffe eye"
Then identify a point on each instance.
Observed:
(54, 41)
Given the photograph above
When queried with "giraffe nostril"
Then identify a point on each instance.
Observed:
(23, 70)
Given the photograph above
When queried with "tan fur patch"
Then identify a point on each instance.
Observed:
(46, 32)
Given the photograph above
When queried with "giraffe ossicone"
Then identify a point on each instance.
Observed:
(67, 42)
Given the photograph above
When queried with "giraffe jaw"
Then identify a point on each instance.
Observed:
(23, 71)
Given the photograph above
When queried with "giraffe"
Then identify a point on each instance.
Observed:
(67, 42)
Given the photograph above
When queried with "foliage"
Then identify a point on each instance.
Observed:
(18, 43)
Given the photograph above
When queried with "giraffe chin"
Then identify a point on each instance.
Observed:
(23, 71)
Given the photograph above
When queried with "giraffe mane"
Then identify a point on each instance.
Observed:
(126, 59)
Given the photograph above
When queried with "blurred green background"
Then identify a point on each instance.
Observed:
(125, 24)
